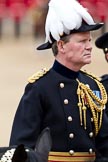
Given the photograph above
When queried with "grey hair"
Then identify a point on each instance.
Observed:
(65, 39)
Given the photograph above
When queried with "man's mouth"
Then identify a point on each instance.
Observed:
(87, 54)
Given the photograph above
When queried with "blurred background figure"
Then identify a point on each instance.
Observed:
(102, 43)
(39, 11)
(3, 14)
(16, 11)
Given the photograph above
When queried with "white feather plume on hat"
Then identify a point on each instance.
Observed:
(63, 16)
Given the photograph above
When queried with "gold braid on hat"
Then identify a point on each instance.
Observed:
(94, 103)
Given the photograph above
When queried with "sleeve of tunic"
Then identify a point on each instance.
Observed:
(27, 120)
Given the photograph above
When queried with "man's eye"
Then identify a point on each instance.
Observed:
(82, 41)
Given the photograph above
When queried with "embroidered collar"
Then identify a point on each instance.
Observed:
(61, 69)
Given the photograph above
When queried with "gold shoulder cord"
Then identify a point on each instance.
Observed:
(93, 102)
(37, 75)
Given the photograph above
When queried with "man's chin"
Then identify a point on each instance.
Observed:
(88, 62)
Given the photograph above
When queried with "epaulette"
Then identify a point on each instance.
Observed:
(37, 75)
(91, 75)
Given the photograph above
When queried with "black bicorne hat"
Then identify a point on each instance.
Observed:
(84, 28)
(102, 42)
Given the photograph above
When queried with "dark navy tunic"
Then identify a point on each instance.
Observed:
(51, 101)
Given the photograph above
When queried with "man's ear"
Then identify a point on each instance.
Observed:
(60, 44)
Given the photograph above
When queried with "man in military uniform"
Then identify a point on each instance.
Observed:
(102, 43)
(64, 98)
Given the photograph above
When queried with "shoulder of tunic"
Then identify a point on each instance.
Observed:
(91, 75)
(36, 76)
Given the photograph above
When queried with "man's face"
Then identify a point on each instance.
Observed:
(77, 51)
(106, 57)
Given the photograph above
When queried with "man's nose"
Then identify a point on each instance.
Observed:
(89, 45)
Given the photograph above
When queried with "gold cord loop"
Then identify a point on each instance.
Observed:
(94, 103)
